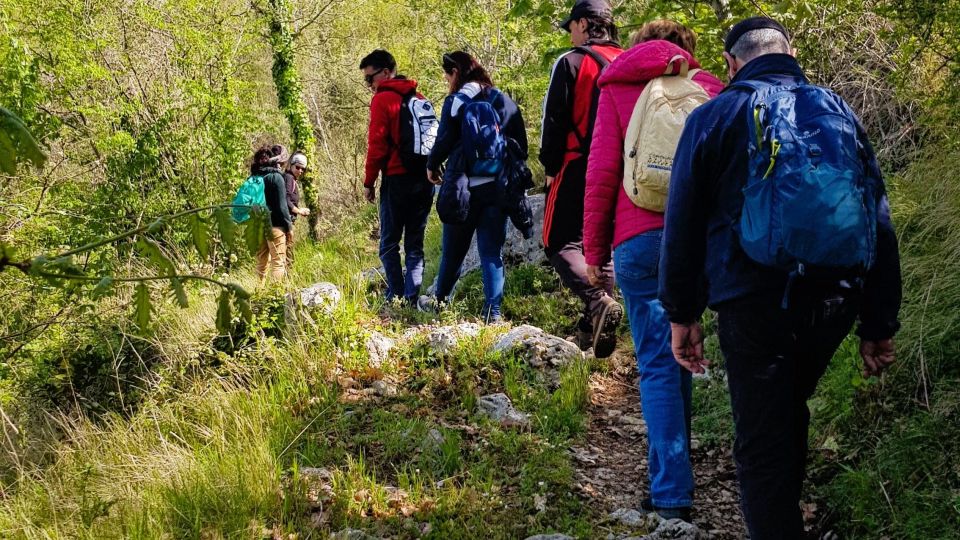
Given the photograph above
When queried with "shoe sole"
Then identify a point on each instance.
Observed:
(605, 330)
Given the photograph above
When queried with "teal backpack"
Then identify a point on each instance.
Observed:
(250, 194)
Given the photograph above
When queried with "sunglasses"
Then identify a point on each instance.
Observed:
(369, 78)
(298, 167)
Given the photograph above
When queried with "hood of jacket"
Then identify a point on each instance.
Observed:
(643, 62)
(397, 84)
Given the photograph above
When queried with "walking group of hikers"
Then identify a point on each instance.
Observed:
(776, 218)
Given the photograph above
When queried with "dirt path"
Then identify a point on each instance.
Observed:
(612, 463)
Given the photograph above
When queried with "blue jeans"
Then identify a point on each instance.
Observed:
(490, 223)
(665, 387)
(404, 209)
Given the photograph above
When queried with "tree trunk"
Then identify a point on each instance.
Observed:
(722, 9)
(290, 97)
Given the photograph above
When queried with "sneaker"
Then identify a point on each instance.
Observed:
(681, 513)
(427, 304)
(605, 323)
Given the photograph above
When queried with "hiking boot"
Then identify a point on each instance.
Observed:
(427, 304)
(681, 513)
(606, 319)
(583, 334)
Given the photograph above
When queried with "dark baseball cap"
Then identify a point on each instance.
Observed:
(753, 23)
(586, 8)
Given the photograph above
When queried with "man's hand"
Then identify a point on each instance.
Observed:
(877, 356)
(550, 180)
(434, 177)
(595, 276)
(687, 344)
(369, 194)
(304, 211)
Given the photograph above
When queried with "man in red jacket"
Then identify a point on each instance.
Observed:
(569, 109)
(405, 196)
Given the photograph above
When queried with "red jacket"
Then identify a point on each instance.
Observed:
(383, 137)
(609, 216)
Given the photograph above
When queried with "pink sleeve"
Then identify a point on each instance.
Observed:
(604, 176)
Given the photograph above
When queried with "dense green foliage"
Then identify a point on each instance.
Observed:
(151, 108)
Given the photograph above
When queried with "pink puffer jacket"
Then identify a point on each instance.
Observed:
(609, 216)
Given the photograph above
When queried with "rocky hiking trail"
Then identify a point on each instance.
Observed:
(609, 458)
(611, 462)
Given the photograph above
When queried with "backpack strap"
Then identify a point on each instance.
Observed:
(583, 141)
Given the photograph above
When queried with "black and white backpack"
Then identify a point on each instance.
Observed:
(418, 131)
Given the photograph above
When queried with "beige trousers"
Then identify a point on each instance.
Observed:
(273, 253)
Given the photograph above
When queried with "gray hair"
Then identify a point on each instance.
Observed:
(760, 42)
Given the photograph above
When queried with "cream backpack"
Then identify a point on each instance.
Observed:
(653, 132)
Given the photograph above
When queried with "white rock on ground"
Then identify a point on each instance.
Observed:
(325, 296)
(383, 388)
(378, 348)
(499, 408)
(675, 529)
(628, 517)
(550, 537)
(373, 276)
(445, 339)
(352, 534)
(538, 347)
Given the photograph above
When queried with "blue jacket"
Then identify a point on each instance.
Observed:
(701, 261)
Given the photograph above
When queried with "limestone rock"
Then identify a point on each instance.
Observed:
(351, 534)
(538, 347)
(373, 277)
(499, 408)
(445, 339)
(325, 296)
(675, 529)
(378, 348)
(628, 517)
(383, 388)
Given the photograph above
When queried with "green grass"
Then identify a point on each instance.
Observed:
(215, 450)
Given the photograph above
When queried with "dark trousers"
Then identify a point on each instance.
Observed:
(487, 220)
(404, 208)
(774, 359)
(563, 237)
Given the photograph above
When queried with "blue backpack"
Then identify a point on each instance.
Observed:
(249, 194)
(483, 145)
(809, 203)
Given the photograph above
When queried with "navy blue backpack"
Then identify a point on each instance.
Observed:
(483, 145)
(809, 203)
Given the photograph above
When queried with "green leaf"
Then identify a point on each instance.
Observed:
(200, 234)
(179, 292)
(223, 312)
(254, 233)
(243, 307)
(102, 288)
(17, 143)
(157, 226)
(225, 227)
(239, 290)
(152, 250)
(141, 301)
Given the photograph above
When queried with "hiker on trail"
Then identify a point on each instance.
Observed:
(405, 193)
(612, 217)
(777, 219)
(268, 162)
(477, 124)
(296, 168)
(569, 109)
